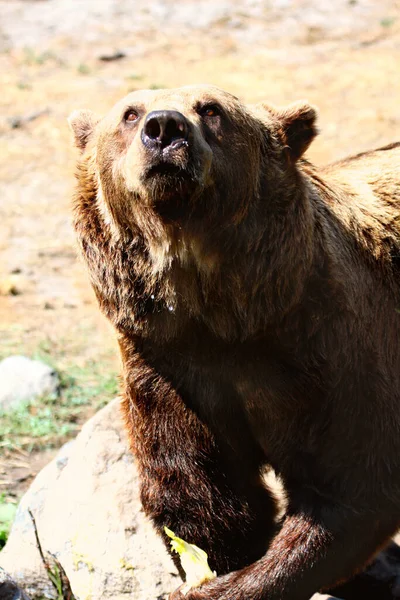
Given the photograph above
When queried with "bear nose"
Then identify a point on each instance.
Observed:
(164, 128)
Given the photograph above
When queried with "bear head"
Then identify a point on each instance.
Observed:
(189, 159)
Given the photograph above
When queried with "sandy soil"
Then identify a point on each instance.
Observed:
(343, 56)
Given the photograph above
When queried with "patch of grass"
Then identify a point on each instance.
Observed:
(134, 76)
(387, 22)
(83, 69)
(24, 85)
(49, 421)
(7, 514)
(32, 57)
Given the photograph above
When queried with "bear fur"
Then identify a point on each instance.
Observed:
(256, 298)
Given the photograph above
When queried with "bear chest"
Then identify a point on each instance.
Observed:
(252, 401)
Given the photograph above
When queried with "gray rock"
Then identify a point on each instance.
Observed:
(24, 380)
(9, 589)
(89, 516)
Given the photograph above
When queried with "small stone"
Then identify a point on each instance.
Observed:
(24, 380)
(10, 286)
(109, 56)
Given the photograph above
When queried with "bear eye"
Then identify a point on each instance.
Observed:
(131, 115)
(209, 110)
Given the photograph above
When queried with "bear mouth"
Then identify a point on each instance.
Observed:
(168, 170)
(170, 187)
(166, 177)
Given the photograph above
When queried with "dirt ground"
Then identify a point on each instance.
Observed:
(58, 55)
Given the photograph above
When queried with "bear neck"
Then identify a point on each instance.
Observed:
(244, 281)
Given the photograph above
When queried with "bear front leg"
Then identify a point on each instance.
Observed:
(188, 482)
(309, 554)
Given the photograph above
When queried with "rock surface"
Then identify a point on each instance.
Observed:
(9, 589)
(88, 514)
(23, 380)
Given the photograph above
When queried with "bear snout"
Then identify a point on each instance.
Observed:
(165, 129)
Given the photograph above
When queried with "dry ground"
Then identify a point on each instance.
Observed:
(342, 55)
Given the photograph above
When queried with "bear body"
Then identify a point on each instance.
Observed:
(256, 299)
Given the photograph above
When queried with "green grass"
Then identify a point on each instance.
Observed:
(83, 69)
(51, 420)
(387, 22)
(134, 76)
(32, 57)
(7, 513)
(157, 86)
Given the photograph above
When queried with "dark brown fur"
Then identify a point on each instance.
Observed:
(256, 299)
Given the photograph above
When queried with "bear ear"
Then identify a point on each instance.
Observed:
(298, 124)
(82, 123)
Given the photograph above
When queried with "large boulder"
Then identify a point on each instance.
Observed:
(88, 515)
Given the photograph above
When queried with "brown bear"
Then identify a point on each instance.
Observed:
(256, 299)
